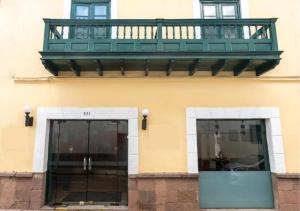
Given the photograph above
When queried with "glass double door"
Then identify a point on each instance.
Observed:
(221, 10)
(90, 11)
(88, 162)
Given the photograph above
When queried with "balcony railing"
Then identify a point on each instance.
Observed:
(153, 39)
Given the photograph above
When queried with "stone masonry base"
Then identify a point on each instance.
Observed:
(287, 192)
(163, 192)
(22, 190)
(147, 192)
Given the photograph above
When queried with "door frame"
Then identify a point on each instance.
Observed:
(46, 114)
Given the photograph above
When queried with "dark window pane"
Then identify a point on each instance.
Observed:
(103, 140)
(72, 142)
(82, 32)
(66, 175)
(100, 32)
(234, 145)
(211, 32)
(230, 32)
(107, 180)
(52, 160)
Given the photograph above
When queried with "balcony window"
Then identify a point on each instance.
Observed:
(221, 10)
(92, 9)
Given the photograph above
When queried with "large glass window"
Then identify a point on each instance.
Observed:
(233, 164)
(232, 145)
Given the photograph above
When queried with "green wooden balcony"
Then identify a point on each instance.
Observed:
(190, 45)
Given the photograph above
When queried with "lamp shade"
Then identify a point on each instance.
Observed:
(145, 112)
(27, 109)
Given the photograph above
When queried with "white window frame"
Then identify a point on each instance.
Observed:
(273, 131)
(45, 115)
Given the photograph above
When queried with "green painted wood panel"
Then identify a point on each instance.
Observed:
(182, 35)
(64, 35)
(236, 189)
(153, 39)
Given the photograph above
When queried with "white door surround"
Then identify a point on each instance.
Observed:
(273, 130)
(45, 115)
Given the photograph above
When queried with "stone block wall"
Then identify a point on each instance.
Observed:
(22, 190)
(148, 192)
(288, 192)
(176, 192)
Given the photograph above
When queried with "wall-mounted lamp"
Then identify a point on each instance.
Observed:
(145, 114)
(28, 119)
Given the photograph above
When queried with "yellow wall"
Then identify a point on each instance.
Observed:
(162, 146)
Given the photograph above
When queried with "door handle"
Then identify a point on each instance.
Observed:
(90, 163)
(84, 163)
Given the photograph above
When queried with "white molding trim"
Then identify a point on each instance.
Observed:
(44, 115)
(197, 15)
(114, 9)
(244, 8)
(67, 9)
(114, 15)
(273, 128)
(196, 9)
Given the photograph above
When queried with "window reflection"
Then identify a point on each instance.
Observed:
(229, 10)
(232, 145)
(100, 10)
(210, 11)
(82, 11)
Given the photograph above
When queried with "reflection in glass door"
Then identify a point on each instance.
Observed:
(107, 162)
(87, 162)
